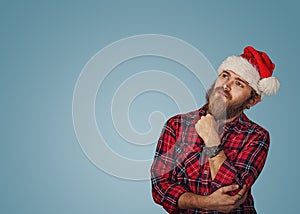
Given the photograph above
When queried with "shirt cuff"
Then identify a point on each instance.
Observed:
(171, 196)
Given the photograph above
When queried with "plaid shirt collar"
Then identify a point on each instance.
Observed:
(242, 120)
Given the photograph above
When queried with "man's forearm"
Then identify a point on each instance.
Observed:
(190, 200)
(215, 163)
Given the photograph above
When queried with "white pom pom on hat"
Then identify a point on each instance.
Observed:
(256, 68)
(269, 85)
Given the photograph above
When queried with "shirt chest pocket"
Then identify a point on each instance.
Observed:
(231, 153)
(233, 145)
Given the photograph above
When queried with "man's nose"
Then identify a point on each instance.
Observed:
(226, 87)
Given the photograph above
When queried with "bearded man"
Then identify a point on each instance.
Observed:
(206, 161)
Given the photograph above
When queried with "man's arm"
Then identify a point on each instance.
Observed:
(219, 200)
(164, 190)
(248, 163)
(172, 195)
(206, 128)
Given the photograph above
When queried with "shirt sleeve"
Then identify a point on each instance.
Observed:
(247, 166)
(165, 191)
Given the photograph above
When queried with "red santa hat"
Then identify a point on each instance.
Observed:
(256, 68)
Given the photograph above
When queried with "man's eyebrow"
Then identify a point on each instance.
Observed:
(237, 78)
(243, 81)
(226, 73)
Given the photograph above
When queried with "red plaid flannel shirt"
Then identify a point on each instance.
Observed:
(180, 165)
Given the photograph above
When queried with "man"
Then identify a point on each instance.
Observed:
(207, 160)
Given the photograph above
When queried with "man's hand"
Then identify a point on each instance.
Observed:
(206, 128)
(219, 200)
(223, 202)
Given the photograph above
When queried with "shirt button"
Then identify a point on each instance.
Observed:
(205, 172)
(205, 193)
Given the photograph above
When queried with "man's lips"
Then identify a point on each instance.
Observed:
(224, 94)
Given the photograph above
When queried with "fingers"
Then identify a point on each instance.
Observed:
(242, 194)
(229, 203)
(207, 120)
(229, 188)
(244, 197)
(209, 116)
(243, 190)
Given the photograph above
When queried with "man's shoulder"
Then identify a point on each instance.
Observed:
(253, 126)
(187, 118)
(188, 115)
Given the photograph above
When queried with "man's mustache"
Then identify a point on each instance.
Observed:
(228, 95)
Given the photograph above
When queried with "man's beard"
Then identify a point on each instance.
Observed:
(223, 110)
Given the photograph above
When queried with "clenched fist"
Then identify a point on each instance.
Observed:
(206, 128)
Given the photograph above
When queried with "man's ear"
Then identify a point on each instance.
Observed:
(255, 100)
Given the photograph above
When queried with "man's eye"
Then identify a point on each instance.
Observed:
(239, 84)
(224, 75)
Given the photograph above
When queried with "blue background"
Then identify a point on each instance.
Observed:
(44, 46)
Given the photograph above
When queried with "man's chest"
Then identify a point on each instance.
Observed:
(192, 166)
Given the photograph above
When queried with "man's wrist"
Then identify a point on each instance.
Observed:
(212, 151)
(212, 141)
